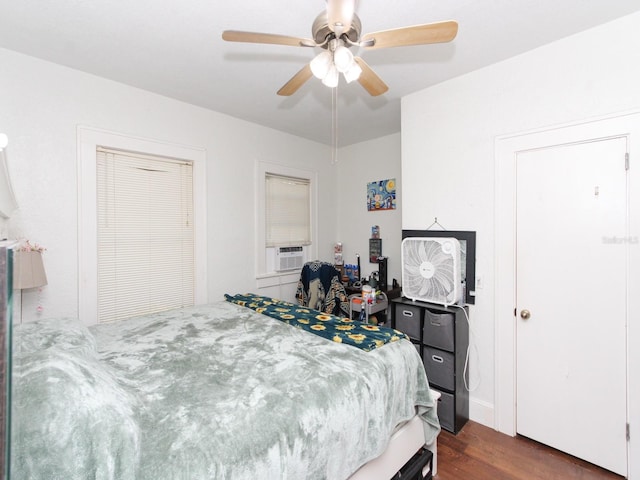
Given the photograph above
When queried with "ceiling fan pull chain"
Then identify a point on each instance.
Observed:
(334, 125)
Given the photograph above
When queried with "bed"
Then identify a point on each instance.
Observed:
(221, 391)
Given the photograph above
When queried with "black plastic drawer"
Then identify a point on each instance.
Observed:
(408, 320)
(439, 330)
(420, 467)
(440, 367)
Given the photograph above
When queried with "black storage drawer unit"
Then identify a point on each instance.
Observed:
(420, 467)
(442, 337)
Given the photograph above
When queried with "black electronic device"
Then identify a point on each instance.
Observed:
(375, 249)
(382, 273)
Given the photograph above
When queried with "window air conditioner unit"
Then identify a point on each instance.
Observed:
(289, 258)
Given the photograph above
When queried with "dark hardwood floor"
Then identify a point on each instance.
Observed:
(479, 453)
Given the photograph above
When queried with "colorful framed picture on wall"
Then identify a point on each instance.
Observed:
(381, 195)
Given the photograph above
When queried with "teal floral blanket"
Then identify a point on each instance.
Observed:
(338, 329)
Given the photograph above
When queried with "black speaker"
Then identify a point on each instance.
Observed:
(382, 273)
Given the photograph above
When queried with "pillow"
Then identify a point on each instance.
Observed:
(64, 333)
(72, 417)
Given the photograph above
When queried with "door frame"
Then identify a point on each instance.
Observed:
(506, 147)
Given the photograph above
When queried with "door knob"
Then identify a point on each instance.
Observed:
(525, 314)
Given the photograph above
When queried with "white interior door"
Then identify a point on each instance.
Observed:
(571, 278)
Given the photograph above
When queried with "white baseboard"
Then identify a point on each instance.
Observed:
(482, 412)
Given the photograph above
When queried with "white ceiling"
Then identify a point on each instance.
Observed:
(174, 48)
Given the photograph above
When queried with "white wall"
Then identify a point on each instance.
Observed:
(358, 165)
(41, 105)
(448, 135)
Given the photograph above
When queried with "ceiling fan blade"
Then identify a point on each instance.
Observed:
(340, 15)
(371, 82)
(296, 81)
(440, 32)
(270, 38)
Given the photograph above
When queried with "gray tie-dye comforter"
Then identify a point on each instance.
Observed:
(213, 392)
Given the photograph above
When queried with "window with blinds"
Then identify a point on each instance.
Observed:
(145, 234)
(288, 211)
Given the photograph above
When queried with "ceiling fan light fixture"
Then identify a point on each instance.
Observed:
(321, 64)
(332, 77)
(342, 58)
(353, 72)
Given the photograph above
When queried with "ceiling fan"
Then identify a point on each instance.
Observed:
(336, 30)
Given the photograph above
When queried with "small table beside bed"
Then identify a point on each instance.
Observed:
(250, 387)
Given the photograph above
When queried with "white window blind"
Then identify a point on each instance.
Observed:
(145, 234)
(288, 210)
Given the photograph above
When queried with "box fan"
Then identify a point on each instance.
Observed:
(431, 270)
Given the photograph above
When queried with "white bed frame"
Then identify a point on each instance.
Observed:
(403, 445)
